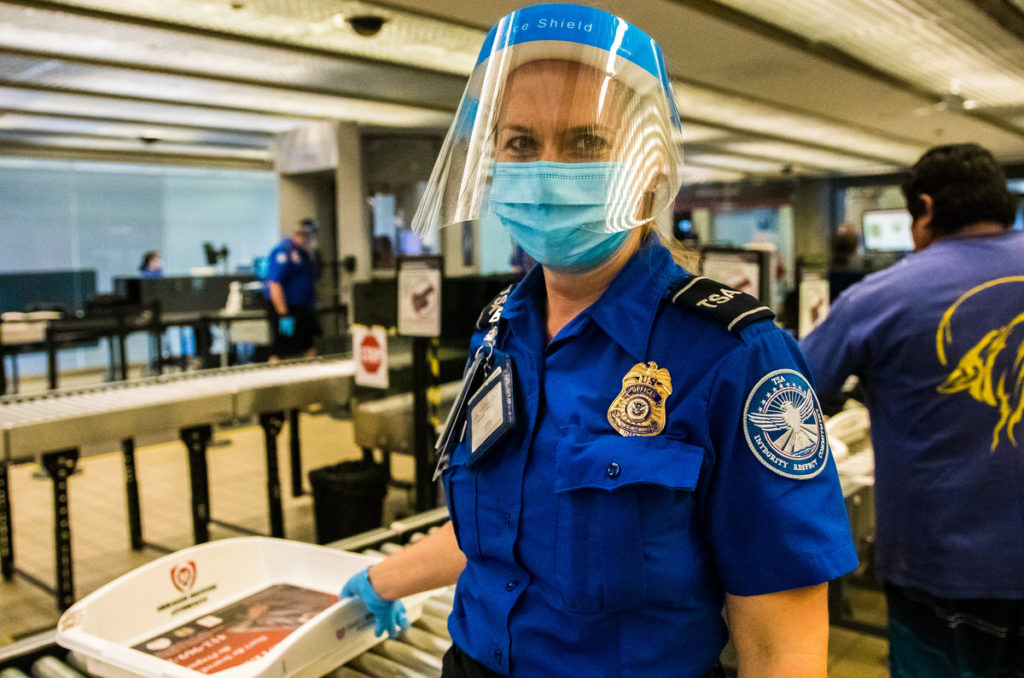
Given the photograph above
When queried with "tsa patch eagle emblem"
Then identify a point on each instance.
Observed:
(639, 409)
(784, 425)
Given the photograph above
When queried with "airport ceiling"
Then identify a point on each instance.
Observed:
(765, 87)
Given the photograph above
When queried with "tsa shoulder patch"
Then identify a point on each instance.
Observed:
(784, 425)
(734, 309)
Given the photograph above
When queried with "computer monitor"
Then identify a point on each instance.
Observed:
(887, 231)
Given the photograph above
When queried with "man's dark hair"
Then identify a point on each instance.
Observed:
(966, 184)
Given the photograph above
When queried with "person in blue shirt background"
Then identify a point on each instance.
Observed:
(638, 447)
(937, 342)
(291, 291)
(151, 266)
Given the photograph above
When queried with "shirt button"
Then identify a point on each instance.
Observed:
(511, 586)
(497, 656)
(613, 470)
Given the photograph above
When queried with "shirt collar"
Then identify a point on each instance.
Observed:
(627, 309)
(635, 293)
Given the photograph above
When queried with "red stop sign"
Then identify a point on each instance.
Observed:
(370, 356)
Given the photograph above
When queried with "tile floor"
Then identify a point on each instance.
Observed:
(100, 542)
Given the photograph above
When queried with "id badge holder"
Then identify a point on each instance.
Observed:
(490, 412)
(454, 424)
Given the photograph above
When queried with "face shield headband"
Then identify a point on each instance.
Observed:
(560, 86)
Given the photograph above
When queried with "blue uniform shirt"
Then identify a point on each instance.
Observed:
(594, 553)
(291, 266)
(938, 344)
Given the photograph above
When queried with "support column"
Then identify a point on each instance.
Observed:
(813, 216)
(6, 535)
(426, 489)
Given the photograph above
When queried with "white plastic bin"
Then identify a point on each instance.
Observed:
(245, 607)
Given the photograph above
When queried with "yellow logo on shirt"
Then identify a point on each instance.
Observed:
(992, 371)
(639, 409)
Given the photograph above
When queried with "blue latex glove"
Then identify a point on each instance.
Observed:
(286, 326)
(390, 615)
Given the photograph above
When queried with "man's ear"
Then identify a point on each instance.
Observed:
(921, 227)
(927, 207)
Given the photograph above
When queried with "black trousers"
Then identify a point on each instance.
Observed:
(307, 329)
(458, 664)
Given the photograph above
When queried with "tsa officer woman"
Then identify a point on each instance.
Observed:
(638, 447)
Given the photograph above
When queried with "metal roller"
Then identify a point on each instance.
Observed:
(437, 608)
(51, 667)
(391, 547)
(382, 667)
(407, 655)
(434, 625)
(425, 640)
(13, 673)
(346, 672)
(77, 662)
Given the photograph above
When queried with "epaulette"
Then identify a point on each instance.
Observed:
(734, 309)
(492, 311)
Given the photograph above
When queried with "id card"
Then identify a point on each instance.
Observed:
(491, 410)
(454, 424)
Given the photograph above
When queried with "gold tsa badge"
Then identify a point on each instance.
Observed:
(639, 409)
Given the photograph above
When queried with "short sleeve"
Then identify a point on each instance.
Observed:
(773, 505)
(278, 262)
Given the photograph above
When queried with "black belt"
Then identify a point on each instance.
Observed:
(458, 664)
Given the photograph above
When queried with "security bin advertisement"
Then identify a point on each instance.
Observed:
(246, 607)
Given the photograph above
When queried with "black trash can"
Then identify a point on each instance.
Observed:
(348, 498)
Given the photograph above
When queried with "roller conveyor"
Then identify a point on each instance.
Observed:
(34, 425)
(416, 653)
(55, 427)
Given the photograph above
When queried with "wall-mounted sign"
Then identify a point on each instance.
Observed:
(370, 354)
(419, 296)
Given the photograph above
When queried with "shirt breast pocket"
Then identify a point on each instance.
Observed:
(626, 534)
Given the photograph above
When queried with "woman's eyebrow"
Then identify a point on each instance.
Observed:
(590, 129)
(515, 128)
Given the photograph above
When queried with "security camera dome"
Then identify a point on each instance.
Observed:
(366, 25)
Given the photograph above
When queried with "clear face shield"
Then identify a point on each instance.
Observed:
(567, 124)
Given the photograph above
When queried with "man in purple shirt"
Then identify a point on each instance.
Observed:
(937, 342)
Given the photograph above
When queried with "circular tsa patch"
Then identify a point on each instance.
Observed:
(784, 425)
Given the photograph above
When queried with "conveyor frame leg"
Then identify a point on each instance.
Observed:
(3, 371)
(60, 465)
(131, 493)
(6, 535)
(295, 449)
(423, 443)
(196, 439)
(272, 422)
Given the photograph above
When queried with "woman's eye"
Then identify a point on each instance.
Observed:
(520, 145)
(590, 146)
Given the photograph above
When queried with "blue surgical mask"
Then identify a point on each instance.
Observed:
(558, 212)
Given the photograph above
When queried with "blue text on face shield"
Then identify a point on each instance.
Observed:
(558, 212)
